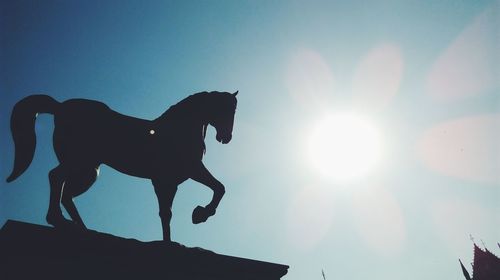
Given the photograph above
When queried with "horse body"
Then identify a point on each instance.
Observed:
(133, 146)
(167, 150)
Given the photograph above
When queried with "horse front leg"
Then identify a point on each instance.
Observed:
(165, 192)
(203, 176)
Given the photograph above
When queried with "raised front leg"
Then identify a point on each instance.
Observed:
(202, 175)
(165, 192)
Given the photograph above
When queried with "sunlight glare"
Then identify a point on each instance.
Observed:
(344, 147)
(310, 217)
(379, 219)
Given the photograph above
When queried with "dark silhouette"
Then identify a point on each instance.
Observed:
(486, 266)
(167, 150)
(30, 251)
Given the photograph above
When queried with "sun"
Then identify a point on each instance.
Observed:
(344, 147)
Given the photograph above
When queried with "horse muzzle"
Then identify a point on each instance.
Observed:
(224, 139)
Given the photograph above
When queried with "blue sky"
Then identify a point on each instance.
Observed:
(426, 72)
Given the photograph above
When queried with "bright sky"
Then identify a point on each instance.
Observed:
(423, 76)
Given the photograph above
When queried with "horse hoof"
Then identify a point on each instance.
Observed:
(200, 215)
(64, 224)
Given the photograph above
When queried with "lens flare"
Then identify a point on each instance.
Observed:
(469, 66)
(378, 77)
(465, 148)
(380, 221)
(309, 79)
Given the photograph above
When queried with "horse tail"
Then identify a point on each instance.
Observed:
(22, 126)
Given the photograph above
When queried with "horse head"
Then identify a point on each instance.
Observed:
(221, 115)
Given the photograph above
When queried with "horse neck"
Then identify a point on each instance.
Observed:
(186, 120)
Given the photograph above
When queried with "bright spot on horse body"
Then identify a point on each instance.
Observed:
(152, 132)
(344, 147)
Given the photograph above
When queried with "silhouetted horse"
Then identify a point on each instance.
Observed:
(167, 150)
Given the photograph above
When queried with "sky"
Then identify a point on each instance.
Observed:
(424, 73)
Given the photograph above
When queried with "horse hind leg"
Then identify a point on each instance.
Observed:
(78, 182)
(54, 214)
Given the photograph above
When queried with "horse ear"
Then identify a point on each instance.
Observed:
(236, 93)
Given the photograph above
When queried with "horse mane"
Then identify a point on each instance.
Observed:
(178, 110)
(183, 109)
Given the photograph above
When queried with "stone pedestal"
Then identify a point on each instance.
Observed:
(29, 251)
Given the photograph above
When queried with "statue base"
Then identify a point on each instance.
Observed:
(29, 251)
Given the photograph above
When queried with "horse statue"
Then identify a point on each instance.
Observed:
(168, 150)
